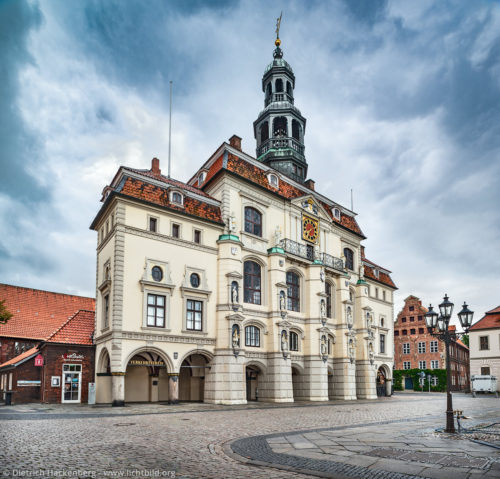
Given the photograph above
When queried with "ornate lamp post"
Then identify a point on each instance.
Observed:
(444, 334)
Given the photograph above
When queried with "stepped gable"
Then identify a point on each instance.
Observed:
(36, 313)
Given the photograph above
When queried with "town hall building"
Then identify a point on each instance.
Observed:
(244, 283)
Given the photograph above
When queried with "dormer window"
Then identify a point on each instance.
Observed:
(273, 180)
(376, 272)
(336, 213)
(201, 177)
(176, 198)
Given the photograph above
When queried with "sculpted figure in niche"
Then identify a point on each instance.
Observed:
(349, 316)
(323, 347)
(282, 301)
(234, 292)
(323, 308)
(236, 336)
(284, 341)
(277, 236)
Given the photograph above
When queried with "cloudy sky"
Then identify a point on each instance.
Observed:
(402, 101)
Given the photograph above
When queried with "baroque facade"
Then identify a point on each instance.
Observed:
(243, 283)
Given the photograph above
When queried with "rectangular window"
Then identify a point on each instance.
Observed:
(406, 365)
(376, 293)
(406, 348)
(434, 346)
(156, 310)
(420, 318)
(197, 236)
(396, 333)
(383, 295)
(483, 343)
(176, 229)
(421, 348)
(404, 332)
(420, 330)
(252, 336)
(434, 364)
(412, 318)
(485, 371)
(382, 343)
(434, 381)
(412, 308)
(403, 320)
(412, 331)
(153, 222)
(194, 312)
(421, 365)
(106, 311)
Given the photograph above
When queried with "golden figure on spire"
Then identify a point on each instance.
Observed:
(278, 23)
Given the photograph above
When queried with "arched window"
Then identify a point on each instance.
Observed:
(279, 85)
(280, 127)
(253, 221)
(328, 291)
(294, 341)
(293, 291)
(349, 258)
(289, 88)
(269, 90)
(252, 336)
(252, 283)
(264, 132)
(296, 129)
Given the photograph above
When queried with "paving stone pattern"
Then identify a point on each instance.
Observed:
(190, 440)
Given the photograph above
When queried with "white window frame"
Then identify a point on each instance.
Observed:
(422, 364)
(336, 213)
(148, 225)
(434, 364)
(172, 223)
(270, 177)
(422, 347)
(79, 383)
(171, 197)
(434, 347)
(406, 365)
(406, 348)
(204, 301)
(194, 235)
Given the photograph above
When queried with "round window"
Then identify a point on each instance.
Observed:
(157, 273)
(195, 280)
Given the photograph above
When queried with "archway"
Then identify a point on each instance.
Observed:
(103, 378)
(297, 380)
(192, 378)
(253, 377)
(146, 378)
(381, 382)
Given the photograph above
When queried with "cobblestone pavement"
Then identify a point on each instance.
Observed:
(189, 441)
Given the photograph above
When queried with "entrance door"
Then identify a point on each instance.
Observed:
(72, 378)
(409, 383)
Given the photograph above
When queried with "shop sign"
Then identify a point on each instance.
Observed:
(73, 356)
(39, 360)
(138, 362)
(28, 383)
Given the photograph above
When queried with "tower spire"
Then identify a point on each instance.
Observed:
(280, 127)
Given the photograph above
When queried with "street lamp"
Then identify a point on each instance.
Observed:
(444, 334)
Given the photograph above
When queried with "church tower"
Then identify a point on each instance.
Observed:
(280, 127)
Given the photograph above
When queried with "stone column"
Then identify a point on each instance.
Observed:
(388, 385)
(366, 380)
(118, 389)
(314, 384)
(344, 379)
(173, 388)
(225, 383)
(277, 383)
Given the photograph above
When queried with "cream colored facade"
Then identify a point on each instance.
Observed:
(337, 357)
(280, 316)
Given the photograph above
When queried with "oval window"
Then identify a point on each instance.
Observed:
(157, 273)
(195, 280)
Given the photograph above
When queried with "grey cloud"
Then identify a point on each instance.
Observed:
(20, 148)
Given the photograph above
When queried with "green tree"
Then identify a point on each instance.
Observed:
(465, 339)
(5, 314)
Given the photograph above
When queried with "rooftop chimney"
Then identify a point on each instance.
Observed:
(310, 184)
(155, 166)
(235, 142)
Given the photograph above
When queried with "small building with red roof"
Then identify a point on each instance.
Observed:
(484, 342)
(46, 347)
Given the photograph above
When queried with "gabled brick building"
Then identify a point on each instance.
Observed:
(415, 347)
(46, 348)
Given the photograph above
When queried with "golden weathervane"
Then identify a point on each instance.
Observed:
(278, 23)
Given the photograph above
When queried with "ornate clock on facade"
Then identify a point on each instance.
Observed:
(310, 229)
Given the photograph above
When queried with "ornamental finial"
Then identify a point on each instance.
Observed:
(278, 24)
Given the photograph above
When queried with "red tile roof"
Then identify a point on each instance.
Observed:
(17, 359)
(37, 314)
(76, 330)
(159, 196)
(257, 175)
(489, 321)
(382, 277)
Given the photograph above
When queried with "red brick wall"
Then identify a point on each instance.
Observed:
(413, 309)
(8, 349)
(28, 372)
(53, 366)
